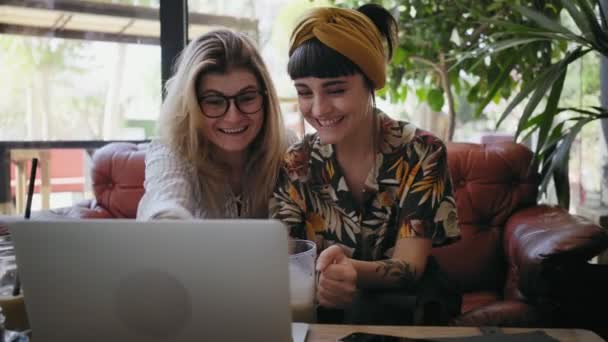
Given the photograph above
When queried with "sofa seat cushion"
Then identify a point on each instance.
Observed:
(475, 300)
(502, 313)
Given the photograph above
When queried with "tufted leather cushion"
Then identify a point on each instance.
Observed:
(118, 176)
(490, 182)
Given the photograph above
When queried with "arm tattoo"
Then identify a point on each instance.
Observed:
(404, 272)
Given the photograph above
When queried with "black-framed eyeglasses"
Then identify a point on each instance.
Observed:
(216, 105)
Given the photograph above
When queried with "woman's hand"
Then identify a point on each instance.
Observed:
(337, 278)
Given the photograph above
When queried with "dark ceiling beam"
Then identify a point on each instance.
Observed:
(240, 24)
(99, 8)
(74, 34)
(129, 11)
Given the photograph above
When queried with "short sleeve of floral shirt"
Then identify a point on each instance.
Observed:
(407, 194)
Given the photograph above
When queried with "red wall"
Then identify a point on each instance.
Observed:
(67, 171)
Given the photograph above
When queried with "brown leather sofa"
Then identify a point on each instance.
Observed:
(508, 261)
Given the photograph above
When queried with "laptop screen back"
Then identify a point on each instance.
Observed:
(124, 280)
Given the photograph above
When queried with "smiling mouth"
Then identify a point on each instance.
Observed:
(330, 122)
(233, 131)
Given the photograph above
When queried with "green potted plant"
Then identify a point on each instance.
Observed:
(434, 32)
(489, 41)
(555, 128)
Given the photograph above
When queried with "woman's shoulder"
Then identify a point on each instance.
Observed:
(159, 146)
(159, 150)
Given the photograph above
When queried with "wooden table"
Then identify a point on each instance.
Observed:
(330, 333)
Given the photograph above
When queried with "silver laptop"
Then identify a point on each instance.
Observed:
(124, 280)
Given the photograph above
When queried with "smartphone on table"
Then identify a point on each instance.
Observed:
(366, 337)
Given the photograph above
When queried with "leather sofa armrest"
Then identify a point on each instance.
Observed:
(540, 238)
(86, 209)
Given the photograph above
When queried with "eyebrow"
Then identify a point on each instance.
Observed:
(324, 84)
(242, 90)
(332, 83)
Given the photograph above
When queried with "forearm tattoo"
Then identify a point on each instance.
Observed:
(404, 272)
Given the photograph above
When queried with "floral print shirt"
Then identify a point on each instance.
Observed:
(408, 193)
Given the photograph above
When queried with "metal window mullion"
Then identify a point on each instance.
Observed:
(173, 34)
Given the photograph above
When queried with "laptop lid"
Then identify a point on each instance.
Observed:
(126, 280)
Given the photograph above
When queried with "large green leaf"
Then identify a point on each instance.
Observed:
(599, 36)
(435, 99)
(403, 90)
(600, 113)
(473, 94)
(422, 93)
(554, 138)
(550, 110)
(561, 181)
(561, 153)
(521, 30)
(549, 75)
(581, 21)
(557, 134)
(538, 95)
(558, 169)
(603, 13)
(534, 121)
(532, 127)
(498, 83)
(498, 47)
(545, 80)
(601, 110)
(543, 21)
(544, 35)
(399, 56)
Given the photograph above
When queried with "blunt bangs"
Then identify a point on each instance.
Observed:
(315, 59)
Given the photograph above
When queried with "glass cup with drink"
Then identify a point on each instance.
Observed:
(302, 280)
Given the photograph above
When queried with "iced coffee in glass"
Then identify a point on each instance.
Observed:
(302, 284)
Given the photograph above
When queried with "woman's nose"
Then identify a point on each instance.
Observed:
(320, 106)
(232, 113)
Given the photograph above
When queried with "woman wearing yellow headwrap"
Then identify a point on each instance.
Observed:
(373, 193)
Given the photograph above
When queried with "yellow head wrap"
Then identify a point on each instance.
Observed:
(350, 33)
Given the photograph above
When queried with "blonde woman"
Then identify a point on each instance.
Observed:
(221, 135)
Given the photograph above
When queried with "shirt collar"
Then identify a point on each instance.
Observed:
(390, 137)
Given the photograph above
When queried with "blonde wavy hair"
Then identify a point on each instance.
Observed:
(181, 120)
